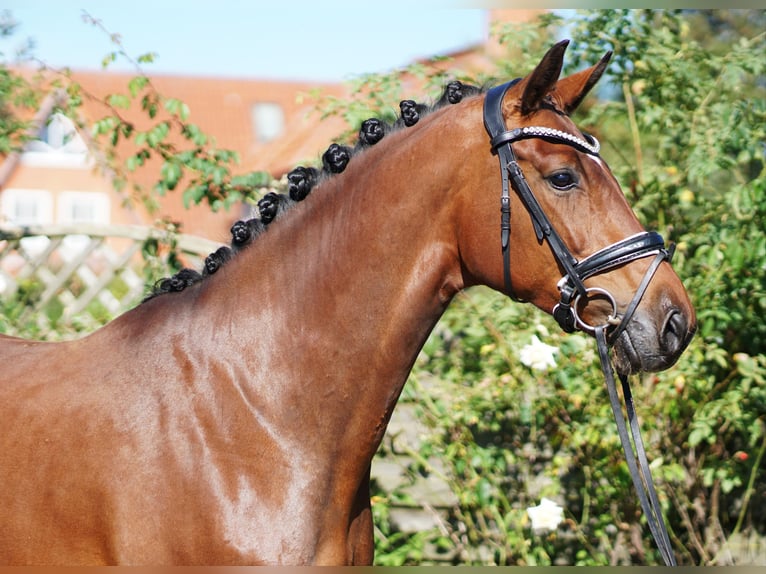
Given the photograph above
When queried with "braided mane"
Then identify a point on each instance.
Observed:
(301, 180)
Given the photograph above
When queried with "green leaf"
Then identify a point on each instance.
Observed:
(171, 172)
(194, 134)
(147, 58)
(103, 126)
(193, 194)
(149, 105)
(108, 59)
(136, 84)
(157, 134)
(177, 108)
(119, 101)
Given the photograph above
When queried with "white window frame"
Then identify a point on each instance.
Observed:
(99, 201)
(73, 245)
(268, 120)
(12, 197)
(60, 145)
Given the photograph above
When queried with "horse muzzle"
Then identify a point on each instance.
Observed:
(652, 330)
(653, 344)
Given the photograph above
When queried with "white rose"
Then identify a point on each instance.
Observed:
(537, 355)
(547, 516)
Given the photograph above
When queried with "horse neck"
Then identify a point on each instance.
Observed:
(339, 295)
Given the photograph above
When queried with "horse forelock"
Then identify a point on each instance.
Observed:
(303, 179)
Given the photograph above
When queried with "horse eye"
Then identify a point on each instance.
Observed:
(562, 180)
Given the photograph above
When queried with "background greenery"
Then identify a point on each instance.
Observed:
(682, 123)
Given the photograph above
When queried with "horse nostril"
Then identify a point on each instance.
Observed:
(675, 332)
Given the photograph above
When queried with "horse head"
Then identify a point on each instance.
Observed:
(567, 240)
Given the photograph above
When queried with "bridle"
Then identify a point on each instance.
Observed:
(573, 290)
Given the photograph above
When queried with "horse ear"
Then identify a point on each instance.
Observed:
(543, 79)
(570, 91)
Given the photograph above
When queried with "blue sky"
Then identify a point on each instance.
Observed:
(324, 40)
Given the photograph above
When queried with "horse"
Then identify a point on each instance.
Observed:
(234, 420)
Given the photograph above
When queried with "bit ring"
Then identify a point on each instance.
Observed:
(612, 320)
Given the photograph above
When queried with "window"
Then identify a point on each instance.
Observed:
(61, 133)
(58, 145)
(83, 207)
(268, 121)
(26, 206)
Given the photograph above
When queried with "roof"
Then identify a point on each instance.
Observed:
(224, 108)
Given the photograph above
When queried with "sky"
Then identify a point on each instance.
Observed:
(324, 40)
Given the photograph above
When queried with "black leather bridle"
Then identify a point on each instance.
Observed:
(572, 288)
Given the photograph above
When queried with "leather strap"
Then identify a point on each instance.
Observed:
(642, 479)
(663, 255)
(494, 122)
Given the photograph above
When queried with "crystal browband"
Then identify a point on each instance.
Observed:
(591, 147)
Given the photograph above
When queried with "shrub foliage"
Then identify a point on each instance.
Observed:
(682, 123)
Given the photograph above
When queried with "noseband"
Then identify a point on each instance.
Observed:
(571, 286)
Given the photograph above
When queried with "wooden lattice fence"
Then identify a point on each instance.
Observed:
(87, 273)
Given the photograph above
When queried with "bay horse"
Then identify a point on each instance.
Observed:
(233, 420)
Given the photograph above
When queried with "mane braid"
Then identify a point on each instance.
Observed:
(301, 180)
(215, 260)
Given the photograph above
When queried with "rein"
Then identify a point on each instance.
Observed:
(572, 289)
